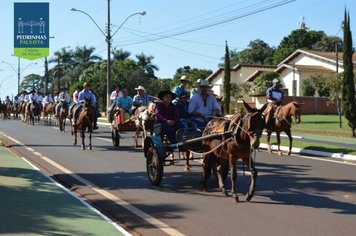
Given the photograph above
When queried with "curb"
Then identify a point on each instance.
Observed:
(345, 157)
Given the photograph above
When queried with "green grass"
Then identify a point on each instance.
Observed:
(324, 125)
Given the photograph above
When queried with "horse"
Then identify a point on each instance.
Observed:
(282, 121)
(48, 111)
(63, 113)
(6, 111)
(145, 119)
(85, 122)
(243, 137)
(33, 111)
(15, 109)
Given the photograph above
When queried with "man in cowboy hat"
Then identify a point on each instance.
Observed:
(181, 88)
(274, 97)
(64, 99)
(86, 93)
(167, 114)
(141, 98)
(202, 106)
(274, 94)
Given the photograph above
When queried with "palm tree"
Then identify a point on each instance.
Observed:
(145, 62)
(84, 56)
(64, 59)
(120, 55)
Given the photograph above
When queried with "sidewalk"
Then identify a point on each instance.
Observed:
(32, 204)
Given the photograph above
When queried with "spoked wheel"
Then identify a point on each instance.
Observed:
(154, 166)
(115, 137)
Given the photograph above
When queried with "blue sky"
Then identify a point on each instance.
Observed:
(175, 32)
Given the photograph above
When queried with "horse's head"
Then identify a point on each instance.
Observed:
(87, 103)
(253, 123)
(296, 111)
(151, 110)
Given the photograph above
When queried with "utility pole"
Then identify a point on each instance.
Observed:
(46, 75)
(108, 68)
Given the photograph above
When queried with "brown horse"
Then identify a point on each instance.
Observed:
(6, 111)
(15, 109)
(85, 122)
(63, 114)
(48, 112)
(243, 137)
(282, 121)
(145, 119)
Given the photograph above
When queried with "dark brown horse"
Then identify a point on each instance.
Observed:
(85, 123)
(6, 110)
(282, 122)
(63, 114)
(245, 132)
(145, 119)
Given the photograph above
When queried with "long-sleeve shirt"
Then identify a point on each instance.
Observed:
(75, 96)
(115, 95)
(196, 104)
(63, 96)
(165, 113)
(87, 94)
(47, 99)
(124, 102)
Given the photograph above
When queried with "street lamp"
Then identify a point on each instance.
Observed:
(18, 71)
(108, 38)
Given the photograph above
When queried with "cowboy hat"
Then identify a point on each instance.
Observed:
(140, 88)
(184, 78)
(204, 83)
(275, 81)
(163, 93)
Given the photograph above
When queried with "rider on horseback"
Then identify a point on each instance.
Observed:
(113, 97)
(85, 94)
(47, 99)
(32, 97)
(274, 97)
(63, 97)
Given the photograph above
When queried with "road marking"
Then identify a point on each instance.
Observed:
(105, 139)
(157, 223)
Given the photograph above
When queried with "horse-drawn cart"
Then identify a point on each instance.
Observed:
(121, 123)
(159, 153)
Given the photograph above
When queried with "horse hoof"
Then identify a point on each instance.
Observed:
(280, 154)
(89, 148)
(224, 192)
(249, 197)
(187, 168)
(83, 148)
(235, 199)
(288, 153)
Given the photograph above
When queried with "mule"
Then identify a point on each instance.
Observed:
(145, 119)
(245, 132)
(85, 123)
(282, 122)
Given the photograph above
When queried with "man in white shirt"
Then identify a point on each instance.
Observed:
(64, 100)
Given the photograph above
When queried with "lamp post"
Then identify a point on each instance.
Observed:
(108, 38)
(18, 71)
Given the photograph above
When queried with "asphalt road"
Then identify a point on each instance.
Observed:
(294, 195)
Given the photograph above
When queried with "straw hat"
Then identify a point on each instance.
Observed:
(140, 88)
(184, 78)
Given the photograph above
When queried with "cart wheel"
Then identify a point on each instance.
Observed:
(154, 166)
(115, 137)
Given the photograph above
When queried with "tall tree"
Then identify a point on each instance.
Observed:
(146, 63)
(348, 85)
(258, 52)
(227, 80)
(298, 39)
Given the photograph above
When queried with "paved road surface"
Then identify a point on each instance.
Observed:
(294, 196)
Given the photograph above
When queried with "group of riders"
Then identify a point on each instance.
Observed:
(180, 108)
(176, 109)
